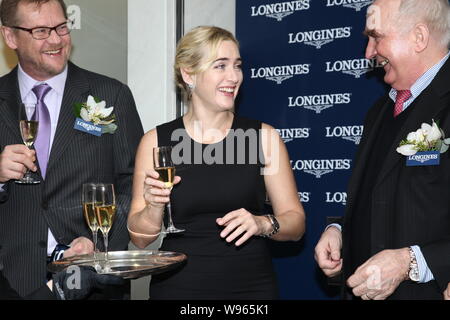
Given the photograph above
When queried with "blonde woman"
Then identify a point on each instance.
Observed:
(225, 166)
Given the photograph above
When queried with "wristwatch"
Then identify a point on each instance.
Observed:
(413, 272)
(275, 226)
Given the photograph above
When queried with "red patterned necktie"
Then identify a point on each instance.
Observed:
(402, 97)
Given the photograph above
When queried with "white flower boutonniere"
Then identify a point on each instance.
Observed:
(94, 111)
(427, 138)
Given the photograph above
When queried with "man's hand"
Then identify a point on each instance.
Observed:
(79, 246)
(380, 276)
(447, 292)
(14, 161)
(328, 252)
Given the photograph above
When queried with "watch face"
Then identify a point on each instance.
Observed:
(414, 275)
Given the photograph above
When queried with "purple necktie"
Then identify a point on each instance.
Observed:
(42, 142)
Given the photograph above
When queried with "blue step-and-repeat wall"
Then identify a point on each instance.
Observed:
(305, 73)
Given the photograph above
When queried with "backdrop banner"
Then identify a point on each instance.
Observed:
(305, 73)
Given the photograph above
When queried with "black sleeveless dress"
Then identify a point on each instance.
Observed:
(215, 180)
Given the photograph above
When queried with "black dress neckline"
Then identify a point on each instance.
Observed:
(233, 126)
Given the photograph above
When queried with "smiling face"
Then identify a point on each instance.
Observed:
(40, 59)
(218, 86)
(391, 46)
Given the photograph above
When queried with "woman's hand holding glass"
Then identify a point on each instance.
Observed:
(164, 165)
(156, 193)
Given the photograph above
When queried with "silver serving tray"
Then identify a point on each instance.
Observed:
(130, 264)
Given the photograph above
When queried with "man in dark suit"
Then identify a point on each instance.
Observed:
(35, 218)
(395, 237)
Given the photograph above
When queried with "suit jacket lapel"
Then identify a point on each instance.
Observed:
(9, 106)
(425, 108)
(75, 90)
(371, 133)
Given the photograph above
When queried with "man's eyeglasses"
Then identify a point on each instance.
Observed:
(42, 33)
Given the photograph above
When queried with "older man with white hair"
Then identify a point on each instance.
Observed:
(395, 236)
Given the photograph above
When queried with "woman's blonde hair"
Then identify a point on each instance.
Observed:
(197, 50)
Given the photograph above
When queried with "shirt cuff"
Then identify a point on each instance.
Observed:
(58, 253)
(424, 272)
(337, 225)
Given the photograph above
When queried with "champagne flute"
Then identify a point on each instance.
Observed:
(162, 163)
(88, 199)
(28, 124)
(105, 210)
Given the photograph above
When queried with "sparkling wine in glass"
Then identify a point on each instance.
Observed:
(105, 210)
(163, 164)
(89, 194)
(28, 124)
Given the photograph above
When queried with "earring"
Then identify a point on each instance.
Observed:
(191, 86)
